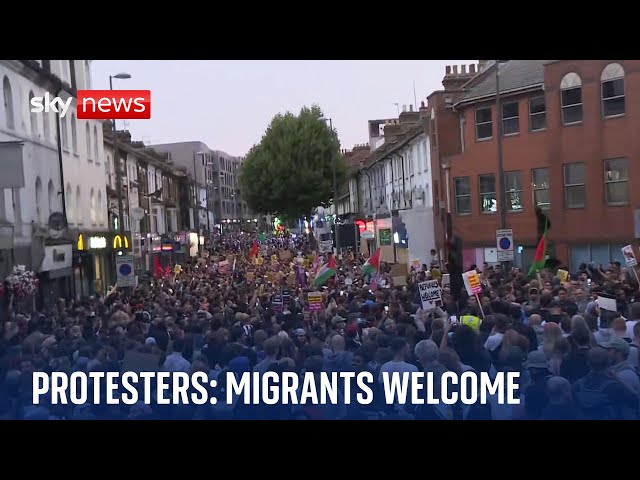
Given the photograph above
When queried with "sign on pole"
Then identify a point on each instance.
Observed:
(472, 282)
(430, 294)
(629, 256)
(315, 301)
(125, 271)
(504, 241)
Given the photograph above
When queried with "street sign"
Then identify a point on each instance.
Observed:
(504, 241)
(125, 271)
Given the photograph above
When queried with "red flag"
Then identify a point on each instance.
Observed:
(254, 249)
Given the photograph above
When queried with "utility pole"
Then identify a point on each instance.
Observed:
(501, 188)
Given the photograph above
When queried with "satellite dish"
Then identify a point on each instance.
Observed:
(57, 224)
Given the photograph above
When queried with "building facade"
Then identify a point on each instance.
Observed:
(568, 148)
(62, 158)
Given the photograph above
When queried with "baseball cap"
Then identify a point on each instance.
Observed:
(337, 319)
(616, 343)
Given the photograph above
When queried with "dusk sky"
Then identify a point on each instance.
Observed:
(228, 104)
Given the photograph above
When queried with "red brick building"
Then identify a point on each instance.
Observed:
(570, 143)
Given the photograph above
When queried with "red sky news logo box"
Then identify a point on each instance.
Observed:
(114, 104)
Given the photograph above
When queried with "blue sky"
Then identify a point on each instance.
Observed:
(228, 104)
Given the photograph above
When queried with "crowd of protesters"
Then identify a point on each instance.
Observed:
(577, 360)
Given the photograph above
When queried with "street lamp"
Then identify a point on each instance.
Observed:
(335, 190)
(502, 189)
(116, 160)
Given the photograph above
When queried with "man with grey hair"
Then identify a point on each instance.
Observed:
(428, 354)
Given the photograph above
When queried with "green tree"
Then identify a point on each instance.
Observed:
(290, 172)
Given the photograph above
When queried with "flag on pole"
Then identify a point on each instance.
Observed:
(541, 253)
(325, 272)
(372, 265)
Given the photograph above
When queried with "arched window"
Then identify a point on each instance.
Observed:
(88, 136)
(571, 98)
(7, 95)
(69, 201)
(53, 202)
(612, 80)
(96, 156)
(77, 208)
(64, 132)
(33, 118)
(47, 127)
(74, 135)
(39, 200)
(100, 209)
(92, 200)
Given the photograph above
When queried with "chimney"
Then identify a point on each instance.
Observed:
(454, 80)
(455, 69)
(463, 69)
(447, 70)
(482, 64)
(472, 68)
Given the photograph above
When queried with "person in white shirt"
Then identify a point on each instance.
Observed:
(175, 362)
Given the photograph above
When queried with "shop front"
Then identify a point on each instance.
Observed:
(94, 260)
(54, 274)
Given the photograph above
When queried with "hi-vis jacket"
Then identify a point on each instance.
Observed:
(471, 321)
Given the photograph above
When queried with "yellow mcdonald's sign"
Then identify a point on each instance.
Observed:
(80, 245)
(119, 241)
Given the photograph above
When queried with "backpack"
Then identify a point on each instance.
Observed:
(593, 403)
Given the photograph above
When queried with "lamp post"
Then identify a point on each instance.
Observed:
(116, 159)
(502, 189)
(335, 191)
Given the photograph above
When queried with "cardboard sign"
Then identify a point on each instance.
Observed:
(177, 269)
(629, 256)
(607, 304)
(315, 301)
(563, 275)
(399, 281)
(446, 279)
(416, 264)
(472, 282)
(430, 294)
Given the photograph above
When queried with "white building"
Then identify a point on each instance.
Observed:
(395, 189)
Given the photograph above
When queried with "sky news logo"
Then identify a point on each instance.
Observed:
(99, 104)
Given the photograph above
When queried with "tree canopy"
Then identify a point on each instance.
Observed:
(290, 172)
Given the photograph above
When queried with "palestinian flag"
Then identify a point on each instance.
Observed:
(325, 272)
(254, 249)
(372, 265)
(541, 253)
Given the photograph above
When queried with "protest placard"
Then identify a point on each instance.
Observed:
(430, 294)
(472, 282)
(315, 301)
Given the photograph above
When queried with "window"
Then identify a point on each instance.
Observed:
(483, 123)
(52, 198)
(540, 182)
(7, 96)
(616, 181)
(513, 191)
(537, 113)
(488, 202)
(33, 119)
(47, 127)
(38, 200)
(574, 190)
(88, 136)
(64, 132)
(92, 200)
(69, 200)
(612, 79)
(100, 208)
(571, 99)
(96, 155)
(462, 187)
(77, 208)
(510, 118)
(74, 135)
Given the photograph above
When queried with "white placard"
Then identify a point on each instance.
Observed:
(607, 304)
(629, 256)
(430, 294)
(504, 241)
